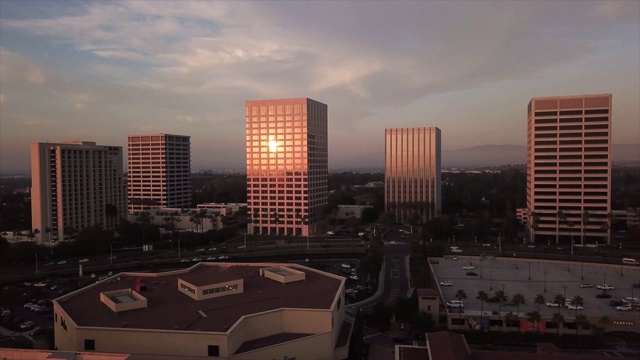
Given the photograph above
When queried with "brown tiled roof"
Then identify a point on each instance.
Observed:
(169, 309)
(427, 292)
(268, 341)
(445, 345)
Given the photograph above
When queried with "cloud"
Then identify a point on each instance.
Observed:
(16, 69)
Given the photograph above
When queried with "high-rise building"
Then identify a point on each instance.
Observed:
(159, 172)
(76, 185)
(569, 168)
(287, 164)
(412, 174)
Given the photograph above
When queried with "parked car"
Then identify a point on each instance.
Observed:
(213, 249)
(184, 260)
(468, 267)
(552, 304)
(354, 277)
(27, 325)
(624, 308)
(199, 250)
(454, 258)
(575, 307)
(211, 258)
(83, 260)
(586, 285)
(446, 283)
(346, 266)
(605, 287)
(603, 295)
(62, 262)
(616, 303)
(456, 251)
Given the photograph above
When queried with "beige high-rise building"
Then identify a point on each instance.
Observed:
(75, 185)
(569, 168)
(412, 174)
(287, 165)
(159, 172)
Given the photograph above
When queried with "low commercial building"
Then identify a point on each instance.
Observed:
(211, 310)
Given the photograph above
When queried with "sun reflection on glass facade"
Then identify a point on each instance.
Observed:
(287, 161)
(412, 174)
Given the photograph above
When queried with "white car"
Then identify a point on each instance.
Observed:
(241, 246)
(586, 285)
(93, 276)
(605, 287)
(354, 277)
(346, 266)
(195, 259)
(361, 234)
(456, 250)
(62, 262)
(184, 260)
(213, 249)
(211, 258)
(575, 307)
(330, 233)
(27, 325)
(552, 304)
(83, 260)
(446, 283)
(486, 245)
(623, 308)
(468, 267)
(454, 258)
(199, 250)
(455, 304)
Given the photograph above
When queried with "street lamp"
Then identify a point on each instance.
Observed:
(545, 281)
(491, 280)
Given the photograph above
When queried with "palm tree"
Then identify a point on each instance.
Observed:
(562, 219)
(502, 298)
(585, 222)
(559, 299)
(539, 300)
(577, 301)
(533, 222)
(510, 318)
(35, 234)
(558, 319)
(460, 295)
(581, 320)
(534, 317)
(482, 296)
(518, 299)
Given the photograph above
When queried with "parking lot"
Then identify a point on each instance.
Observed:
(533, 277)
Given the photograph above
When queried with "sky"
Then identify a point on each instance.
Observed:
(99, 71)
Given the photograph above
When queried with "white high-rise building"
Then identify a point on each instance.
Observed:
(159, 172)
(569, 168)
(76, 185)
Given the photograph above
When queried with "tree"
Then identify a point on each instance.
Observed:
(502, 298)
(539, 300)
(558, 319)
(145, 220)
(518, 299)
(577, 302)
(562, 219)
(460, 295)
(534, 317)
(35, 234)
(483, 297)
(585, 222)
(581, 320)
(533, 223)
(510, 318)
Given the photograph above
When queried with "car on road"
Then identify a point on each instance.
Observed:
(624, 308)
(199, 250)
(586, 285)
(552, 304)
(455, 304)
(330, 233)
(83, 260)
(354, 277)
(346, 266)
(36, 332)
(111, 257)
(62, 262)
(531, 246)
(27, 325)
(93, 276)
(40, 284)
(195, 259)
(242, 246)
(457, 251)
(351, 291)
(574, 307)
(213, 249)
(6, 312)
(605, 287)
(223, 257)
(486, 245)
(184, 260)
(446, 283)
(211, 258)
(468, 267)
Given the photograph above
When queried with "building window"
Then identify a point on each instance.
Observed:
(214, 350)
(89, 344)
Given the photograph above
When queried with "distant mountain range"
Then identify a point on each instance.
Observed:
(496, 155)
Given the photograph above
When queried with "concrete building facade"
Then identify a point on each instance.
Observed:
(569, 168)
(413, 173)
(287, 165)
(75, 185)
(159, 171)
(211, 310)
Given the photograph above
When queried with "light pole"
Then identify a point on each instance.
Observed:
(491, 280)
(545, 281)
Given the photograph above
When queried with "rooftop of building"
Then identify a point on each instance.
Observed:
(170, 309)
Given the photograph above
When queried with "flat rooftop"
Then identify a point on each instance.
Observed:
(561, 278)
(170, 309)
